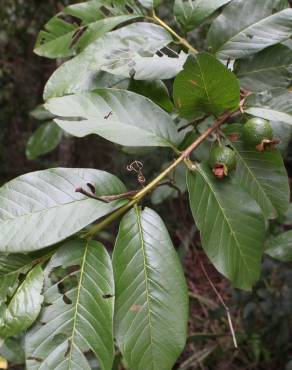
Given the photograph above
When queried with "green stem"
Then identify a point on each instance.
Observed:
(180, 39)
(184, 157)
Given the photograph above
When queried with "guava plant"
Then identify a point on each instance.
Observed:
(126, 75)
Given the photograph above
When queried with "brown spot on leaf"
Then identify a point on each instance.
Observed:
(107, 296)
(68, 348)
(136, 308)
(178, 103)
(33, 358)
(193, 82)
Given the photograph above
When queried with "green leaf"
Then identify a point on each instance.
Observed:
(262, 174)
(231, 224)
(45, 139)
(205, 86)
(274, 105)
(271, 68)
(113, 50)
(42, 208)
(151, 308)
(120, 116)
(246, 26)
(14, 264)
(64, 38)
(191, 13)
(155, 91)
(280, 247)
(25, 305)
(78, 315)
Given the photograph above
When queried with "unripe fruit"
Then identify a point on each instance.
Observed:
(222, 160)
(258, 133)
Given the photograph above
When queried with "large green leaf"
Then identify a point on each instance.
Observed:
(78, 312)
(280, 247)
(25, 305)
(42, 208)
(205, 86)
(120, 116)
(191, 13)
(231, 224)
(274, 105)
(45, 139)
(271, 68)
(115, 49)
(70, 31)
(151, 308)
(247, 26)
(262, 174)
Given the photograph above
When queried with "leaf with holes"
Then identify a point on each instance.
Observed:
(78, 25)
(151, 295)
(246, 27)
(231, 224)
(77, 317)
(280, 247)
(24, 306)
(191, 13)
(42, 208)
(109, 53)
(205, 86)
(274, 105)
(262, 174)
(120, 116)
(271, 68)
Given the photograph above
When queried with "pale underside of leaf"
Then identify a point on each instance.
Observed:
(246, 27)
(115, 49)
(120, 116)
(79, 320)
(42, 208)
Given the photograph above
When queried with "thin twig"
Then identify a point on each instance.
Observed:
(222, 303)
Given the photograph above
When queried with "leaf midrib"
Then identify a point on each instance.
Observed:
(146, 281)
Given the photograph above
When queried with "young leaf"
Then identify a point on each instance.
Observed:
(191, 13)
(231, 224)
(45, 139)
(154, 90)
(25, 305)
(262, 174)
(274, 105)
(115, 49)
(205, 86)
(280, 247)
(78, 313)
(246, 26)
(151, 295)
(271, 68)
(63, 38)
(120, 116)
(42, 208)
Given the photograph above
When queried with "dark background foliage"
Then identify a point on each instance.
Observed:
(262, 318)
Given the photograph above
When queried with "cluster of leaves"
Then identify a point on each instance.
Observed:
(78, 301)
